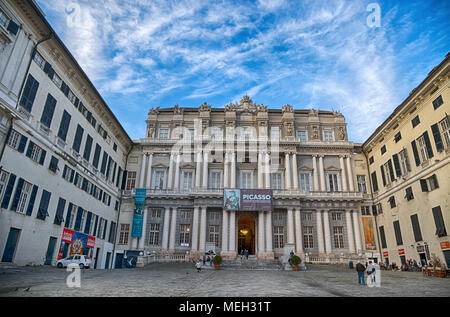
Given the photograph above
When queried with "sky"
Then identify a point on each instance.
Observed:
(361, 58)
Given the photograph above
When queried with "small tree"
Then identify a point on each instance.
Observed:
(217, 260)
(295, 260)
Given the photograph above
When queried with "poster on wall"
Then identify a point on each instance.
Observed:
(231, 199)
(369, 235)
(138, 217)
(73, 242)
(256, 199)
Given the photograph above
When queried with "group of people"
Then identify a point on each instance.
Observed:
(205, 258)
(370, 270)
(410, 266)
(244, 254)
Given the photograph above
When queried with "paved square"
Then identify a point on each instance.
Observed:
(181, 279)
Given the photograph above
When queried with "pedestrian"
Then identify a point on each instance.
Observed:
(246, 253)
(198, 265)
(371, 272)
(360, 268)
(204, 259)
(242, 253)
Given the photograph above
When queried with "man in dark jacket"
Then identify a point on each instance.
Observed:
(360, 268)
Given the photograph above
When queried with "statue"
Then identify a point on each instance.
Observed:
(287, 108)
(177, 110)
(154, 110)
(341, 133)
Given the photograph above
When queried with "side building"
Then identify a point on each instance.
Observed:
(409, 165)
(64, 153)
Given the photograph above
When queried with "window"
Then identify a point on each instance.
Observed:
(49, 109)
(215, 133)
(36, 153)
(87, 148)
(365, 210)
(416, 228)
(302, 135)
(3, 19)
(371, 160)
(308, 237)
(429, 184)
(64, 125)
(338, 233)
(333, 182)
(77, 139)
(278, 216)
(383, 149)
(131, 180)
(246, 179)
(214, 179)
(439, 222)
(73, 216)
(328, 136)
(214, 235)
(53, 164)
(97, 153)
(185, 235)
(387, 173)
(437, 102)
(415, 121)
(154, 234)
(445, 128)
(60, 212)
(124, 233)
(185, 214)
(362, 188)
(276, 181)
(374, 181)
(158, 179)
(245, 132)
(398, 137)
(29, 93)
(379, 208)
(3, 181)
(163, 134)
(305, 181)
(23, 192)
(275, 132)
(278, 236)
(409, 194)
(404, 162)
(13, 140)
(398, 233)
(422, 148)
(57, 80)
(336, 216)
(383, 237)
(38, 59)
(307, 216)
(43, 206)
(391, 201)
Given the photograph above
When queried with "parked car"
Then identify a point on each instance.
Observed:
(82, 260)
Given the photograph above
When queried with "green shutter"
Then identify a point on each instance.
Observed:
(437, 137)
(398, 170)
(32, 199)
(416, 153)
(8, 191)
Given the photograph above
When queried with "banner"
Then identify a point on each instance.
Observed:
(231, 199)
(256, 199)
(138, 217)
(75, 243)
(369, 235)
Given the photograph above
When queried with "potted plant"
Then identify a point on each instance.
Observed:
(217, 260)
(295, 260)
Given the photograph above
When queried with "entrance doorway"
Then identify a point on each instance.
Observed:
(246, 234)
(423, 258)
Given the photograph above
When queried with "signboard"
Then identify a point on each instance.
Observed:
(420, 248)
(256, 199)
(231, 199)
(385, 254)
(401, 252)
(75, 243)
(138, 217)
(369, 235)
(247, 199)
(445, 245)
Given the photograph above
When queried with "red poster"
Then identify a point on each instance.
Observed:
(67, 235)
(401, 252)
(90, 242)
(445, 245)
(385, 254)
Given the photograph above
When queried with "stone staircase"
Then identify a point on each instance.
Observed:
(252, 263)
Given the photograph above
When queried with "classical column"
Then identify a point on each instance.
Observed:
(287, 175)
(290, 226)
(134, 243)
(198, 170)
(319, 232)
(260, 171)
(232, 247)
(316, 175)
(261, 242)
(267, 170)
(343, 177)
(326, 225)
(170, 176)
(195, 230)
(269, 233)
(202, 246)
(205, 170)
(177, 172)
(233, 170)
(142, 175)
(225, 231)
(350, 237)
(295, 170)
(165, 240)
(149, 171)
(350, 174)
(298, 232)
(323, 186)
(144, 230)
(173, 228)
(357, 232)
(225, 171)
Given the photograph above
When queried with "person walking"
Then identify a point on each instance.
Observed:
(360, 268)
(371, 272)
(198, 265)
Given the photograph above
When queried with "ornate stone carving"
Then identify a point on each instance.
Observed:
(153, 110)
(289, 128)
(177, 109)
(341, 133)
(287, 108)
(204, 107)
(315, 132)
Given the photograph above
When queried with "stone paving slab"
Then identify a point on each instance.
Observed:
(182, 279)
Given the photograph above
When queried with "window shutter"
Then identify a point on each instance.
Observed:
(434, 177)
(22, 144)
(32, 199)
(8, 191)
(87, 148)
(398, 170)
(75, 181)
(416, 228)
(85, 184)
(88, 223)
(382, 175)
(17, 195)
(64, 125)
(124, 180)
(42, 159)
(437, 137)
(398, 233)
(29, 93)
(374, 181)
(416, 153)
(118, 176)
(104, 161)
(43, 206)
(104, 229)
(60, 211)
(13, 27)
(78, 137)
(72, 175)
(49, 110)
(95, 226)
(29, 149)
(98, 150)
(383, 237)
(428, 144)
(78, 219)
(439, 222)
(69, 215)
(423, 185)
(391, 170)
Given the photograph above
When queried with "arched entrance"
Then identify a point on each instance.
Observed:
(246, 234)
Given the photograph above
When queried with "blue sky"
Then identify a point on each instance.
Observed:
(309, 54)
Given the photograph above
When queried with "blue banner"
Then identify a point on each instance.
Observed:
(138, 216)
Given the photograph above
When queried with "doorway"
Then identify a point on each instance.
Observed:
(423, 258)
(11, 244)
(246, 234)
(50, 251)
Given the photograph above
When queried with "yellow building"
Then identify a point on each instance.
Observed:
(408, 163)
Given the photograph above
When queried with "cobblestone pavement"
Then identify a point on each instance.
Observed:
(181, 279)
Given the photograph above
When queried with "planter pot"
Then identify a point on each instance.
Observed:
(216, 266)
(295, 267)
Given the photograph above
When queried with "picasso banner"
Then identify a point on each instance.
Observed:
(247, 199)
(138, 217)
(369, 235)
